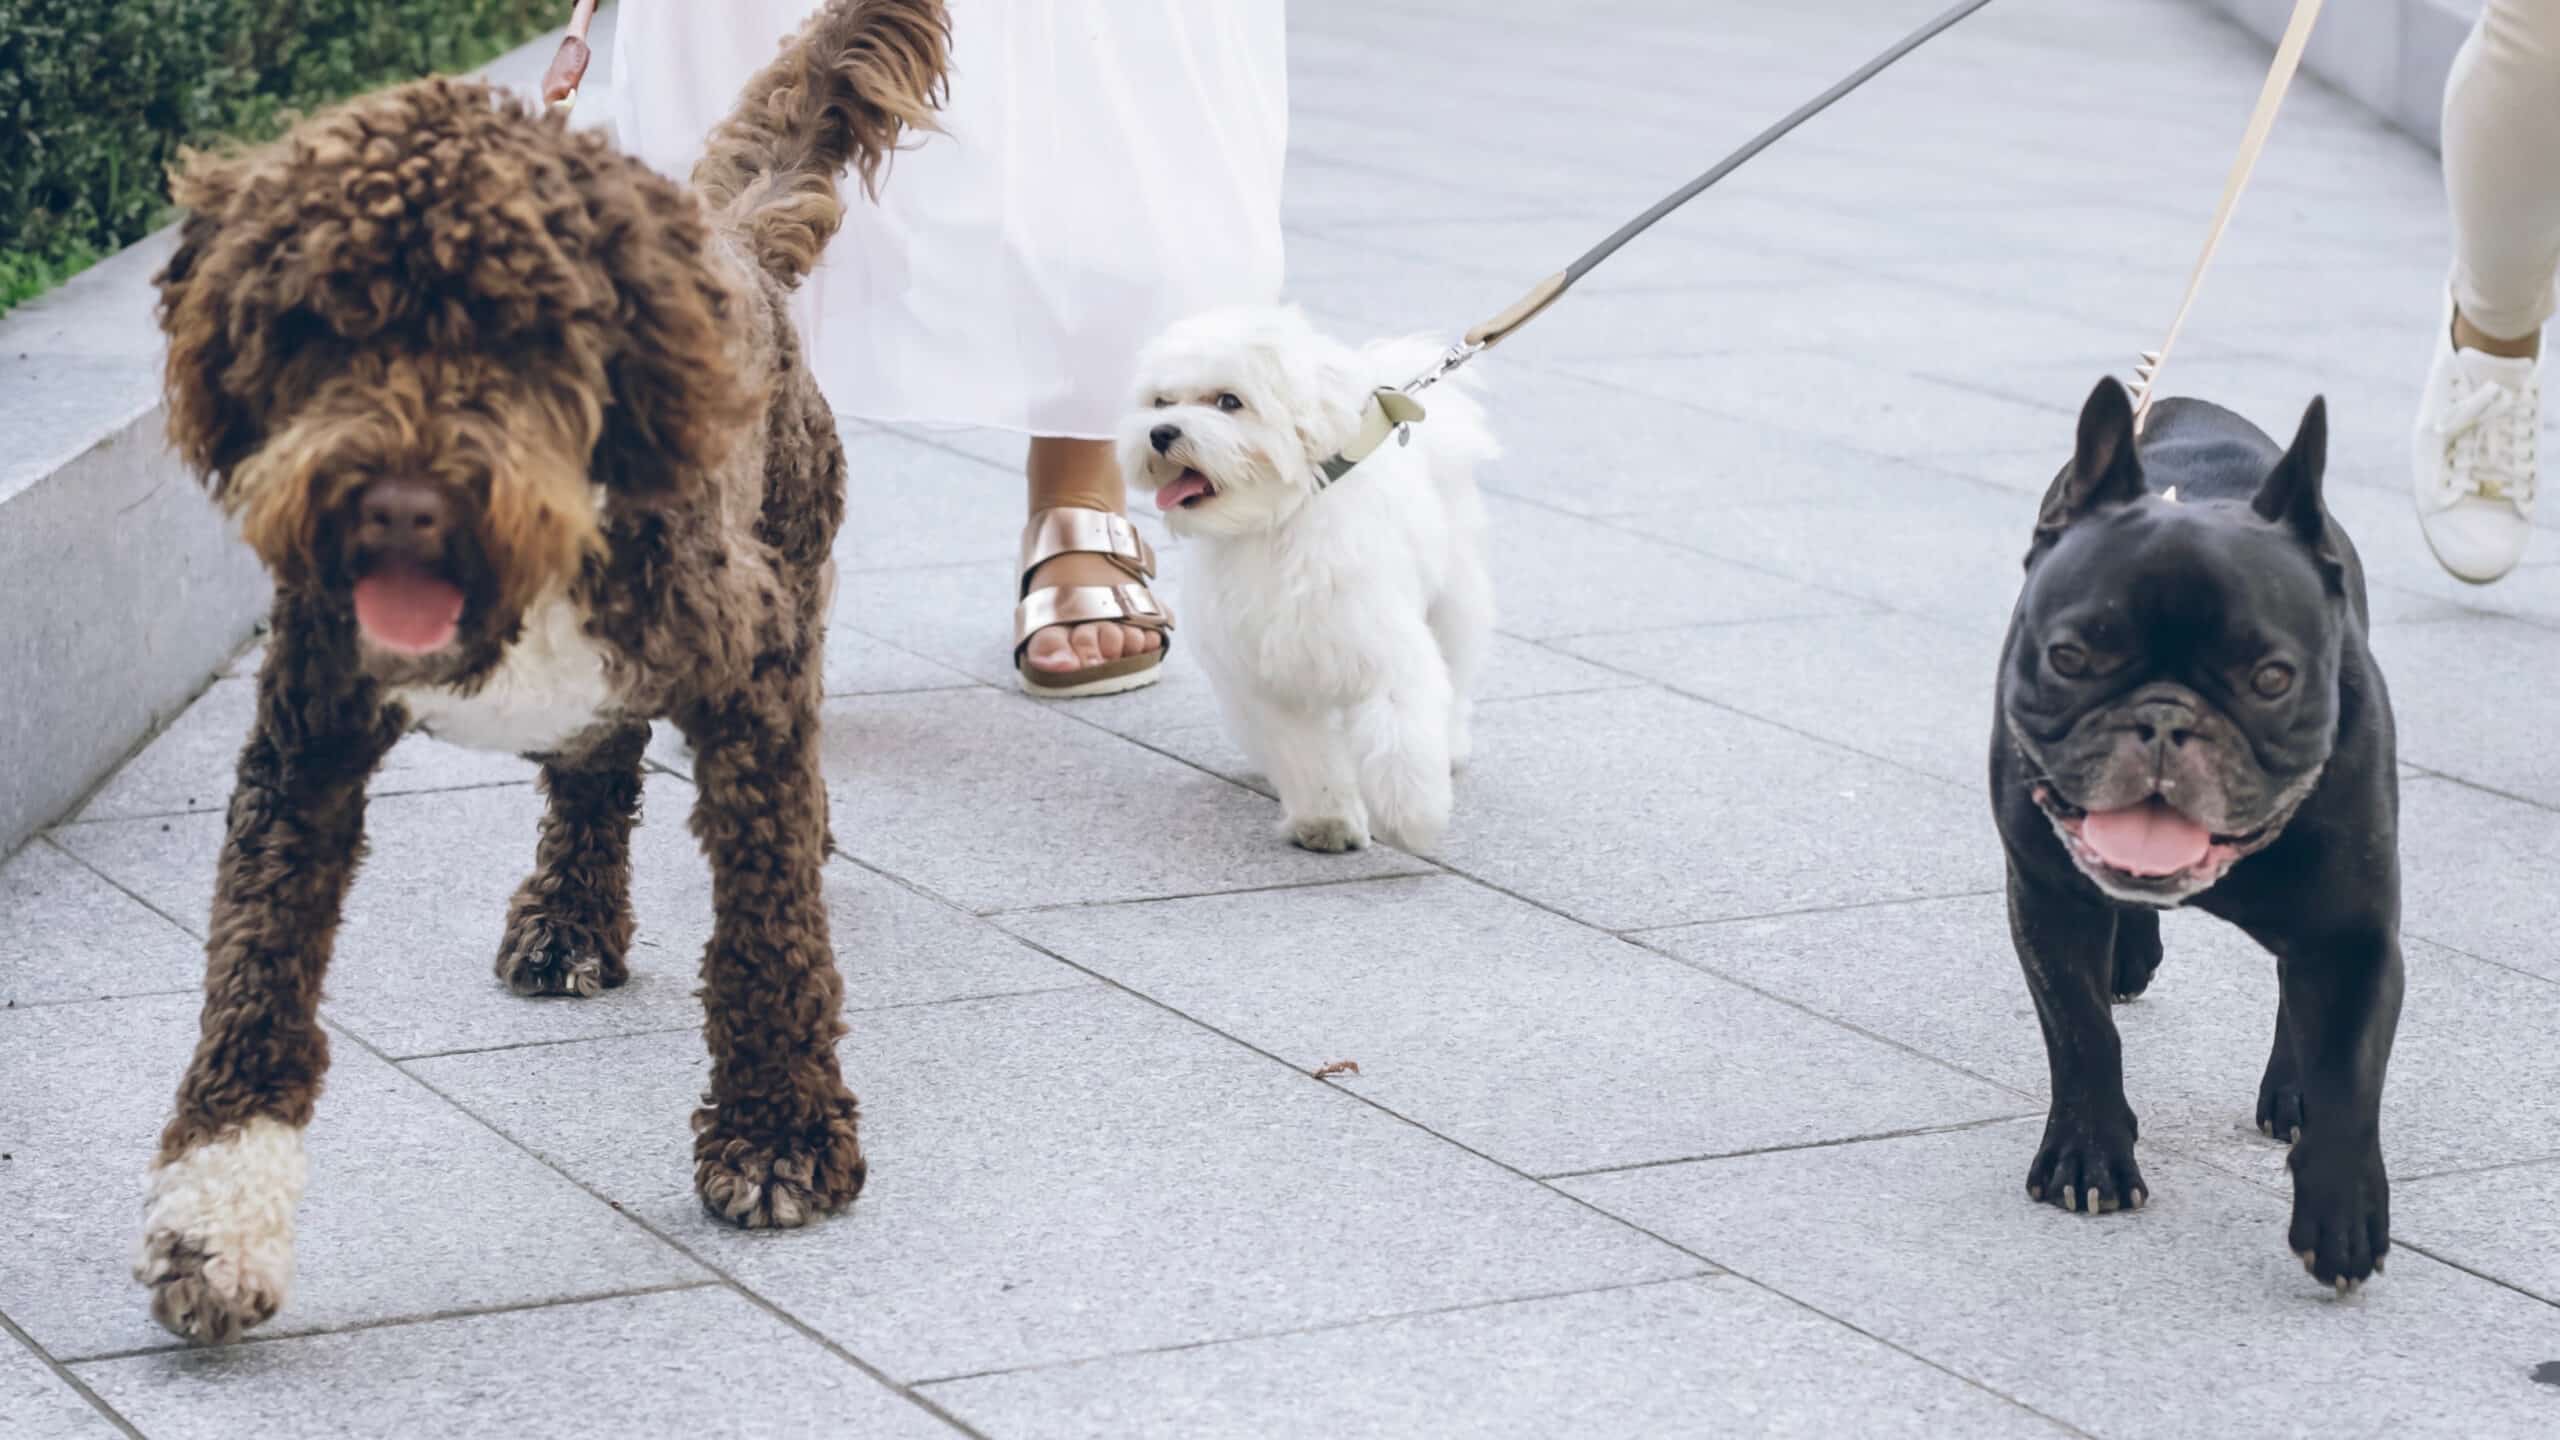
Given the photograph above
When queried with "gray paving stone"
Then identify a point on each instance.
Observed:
(1061, 1176)
(412, 1209)
(2476, 874)
(1913, 542)
(37, 1405)
(1637, 808)
(860, 664)
(1514, 1032)
(411, 971)
(1514, 669)
(2472, 1060)
(910, 501)
(66, 934)
(2463, 691)
(1848, 401)
(1906, 689)
(187, 769)
(2503, 1223)
(1711, 1356)
(2186, 1317)
(1071, 815)
(690, 1362)
(1561, 575)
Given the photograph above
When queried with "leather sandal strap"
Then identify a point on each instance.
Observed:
(1080, 604)
(1071, 530)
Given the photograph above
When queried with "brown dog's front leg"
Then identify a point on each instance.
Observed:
(774, 1141)
(217, 1247)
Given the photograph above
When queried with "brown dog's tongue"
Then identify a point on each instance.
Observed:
(2147, 839)
(408, 611)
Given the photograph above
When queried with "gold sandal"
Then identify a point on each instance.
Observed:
(1069, 530)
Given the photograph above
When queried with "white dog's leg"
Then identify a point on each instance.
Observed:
(1402, 740)
(1309, 761)
(1462, 626)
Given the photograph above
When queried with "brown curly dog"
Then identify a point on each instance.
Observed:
(523, 433)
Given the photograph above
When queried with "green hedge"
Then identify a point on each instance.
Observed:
(96, 96)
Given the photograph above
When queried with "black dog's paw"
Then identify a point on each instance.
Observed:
(2280, 1107)
(2341, 1212)
(2087, 1166)
(545, 956)
(2137, 954)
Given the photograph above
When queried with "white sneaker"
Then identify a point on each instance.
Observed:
(2473, 467)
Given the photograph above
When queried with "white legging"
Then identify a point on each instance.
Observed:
(2502, 166)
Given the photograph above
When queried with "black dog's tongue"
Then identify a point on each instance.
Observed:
(2148, 839)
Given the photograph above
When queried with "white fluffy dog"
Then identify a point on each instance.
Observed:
(1342, 630)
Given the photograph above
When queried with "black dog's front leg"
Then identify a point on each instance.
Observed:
(2066, 946)
(2342, 1005)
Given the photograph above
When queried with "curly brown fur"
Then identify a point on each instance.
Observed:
(581, 382)
(569, 926)
(839, 95)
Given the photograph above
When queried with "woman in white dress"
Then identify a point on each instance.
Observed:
(1105, 167)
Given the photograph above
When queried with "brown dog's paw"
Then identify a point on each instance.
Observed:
(544, 956)
(217, 1232)
(768, 1184)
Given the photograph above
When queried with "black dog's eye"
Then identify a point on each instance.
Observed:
(2272, 679)
(2068, 661)
(1228, 402)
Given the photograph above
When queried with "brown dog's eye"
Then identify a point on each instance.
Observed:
(2272, 680)
(1229, 403)
(2068, 661)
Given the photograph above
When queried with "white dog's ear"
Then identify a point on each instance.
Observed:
(1329, 400)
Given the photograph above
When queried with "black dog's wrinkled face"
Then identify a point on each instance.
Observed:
(2172, 672)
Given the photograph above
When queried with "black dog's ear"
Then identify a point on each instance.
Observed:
(2291, 491)
(2291, 494)
(2104, 469)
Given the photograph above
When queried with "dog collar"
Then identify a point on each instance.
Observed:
(1389, 412)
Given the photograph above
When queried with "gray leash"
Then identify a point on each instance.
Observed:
(1390, 411)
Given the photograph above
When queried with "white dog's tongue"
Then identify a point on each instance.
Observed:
(2146, 839)
(408, 611)
(1189, 485)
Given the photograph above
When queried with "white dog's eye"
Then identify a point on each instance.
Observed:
(1228, 402)
(1164, 402)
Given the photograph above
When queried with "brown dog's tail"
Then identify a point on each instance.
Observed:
(838, 96)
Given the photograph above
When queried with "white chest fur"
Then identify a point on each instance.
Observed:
(551, 685)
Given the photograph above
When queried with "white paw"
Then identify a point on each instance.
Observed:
(217, 1231)
(1328, 835)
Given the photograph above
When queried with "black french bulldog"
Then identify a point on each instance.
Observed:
(2188, 712)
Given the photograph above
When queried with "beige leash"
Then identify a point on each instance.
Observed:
(2297, 33)
(569, 67)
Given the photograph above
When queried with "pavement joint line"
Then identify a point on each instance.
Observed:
(160, 994)
(1824, 741)
(1791, 1147)
(119, 886)
(1637, 932)
(176, 1346)
(2450, 778)
(607, 1037)
(1384, 1317)
(1867, 610)
(69, 1377)
(395, 791)
(1357, 1097)
(721, 1275)
(1276, 887)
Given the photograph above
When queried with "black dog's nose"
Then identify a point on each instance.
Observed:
(1163, 436)
(2156, 720)
(403, 516)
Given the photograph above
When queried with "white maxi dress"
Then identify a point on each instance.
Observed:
(1106, 168)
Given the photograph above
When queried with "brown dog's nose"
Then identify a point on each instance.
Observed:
(1162, 437)
(402, 516)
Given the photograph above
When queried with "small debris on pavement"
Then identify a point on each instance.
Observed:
(1332, 1068)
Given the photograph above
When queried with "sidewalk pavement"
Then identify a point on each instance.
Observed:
(1697, 1083)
